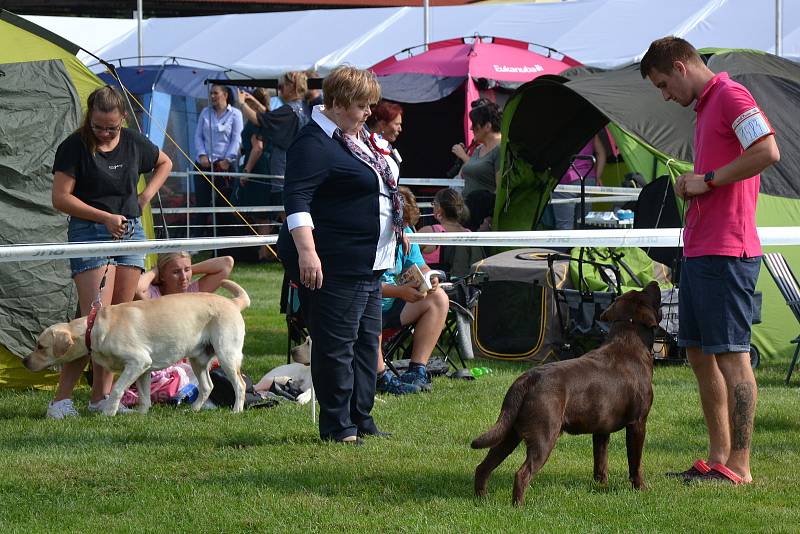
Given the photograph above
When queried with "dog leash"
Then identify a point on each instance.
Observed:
(97, 303)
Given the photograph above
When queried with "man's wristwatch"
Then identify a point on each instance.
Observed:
(709, 180)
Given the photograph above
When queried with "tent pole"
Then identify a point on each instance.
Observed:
(426, 15)
(778, 27)
(138, 15)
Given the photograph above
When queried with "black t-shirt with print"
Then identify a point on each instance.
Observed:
(107, 180)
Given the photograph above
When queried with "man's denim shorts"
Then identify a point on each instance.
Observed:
(716, 303)
(83, 231)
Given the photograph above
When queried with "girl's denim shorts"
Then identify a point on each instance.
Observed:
(83, 231)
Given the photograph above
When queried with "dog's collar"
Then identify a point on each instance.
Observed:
(631, 321)
(89, 325)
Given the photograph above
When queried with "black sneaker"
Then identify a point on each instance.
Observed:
(698, 471)
(418, 377)
(389, 383)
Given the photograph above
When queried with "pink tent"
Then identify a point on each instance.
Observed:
(437, 84)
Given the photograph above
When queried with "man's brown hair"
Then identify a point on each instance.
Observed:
(664, 52)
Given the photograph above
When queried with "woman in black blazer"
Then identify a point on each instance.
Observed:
(344, 217)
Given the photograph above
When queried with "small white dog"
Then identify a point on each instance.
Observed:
(137, 337)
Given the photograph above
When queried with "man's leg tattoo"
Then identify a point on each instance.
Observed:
(743, 412)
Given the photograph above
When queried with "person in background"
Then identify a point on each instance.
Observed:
(386, 121)
(217, 140)
(455, 170)
(280, 126)
(95, 177)
(405, 304)
(566, 216)
(313, 97)
(733, 143)
(256, 154)
(174, 271)
(336, 258)
(481, 171)
(449, 210)
(258, 191)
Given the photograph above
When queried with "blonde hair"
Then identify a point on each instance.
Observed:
(261, 96)
(347, 85)
(105, 100)
(166, 257)
(299, 81)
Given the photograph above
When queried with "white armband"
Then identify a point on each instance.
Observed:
(751, 126)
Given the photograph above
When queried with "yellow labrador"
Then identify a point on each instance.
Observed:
(137, 337)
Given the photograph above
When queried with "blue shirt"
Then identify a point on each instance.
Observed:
(218, 137)
(402, 262)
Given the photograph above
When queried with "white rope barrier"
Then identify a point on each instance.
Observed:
(50, 251)
(445, 182)
(598, 190)
(591, 200)
(642, 237)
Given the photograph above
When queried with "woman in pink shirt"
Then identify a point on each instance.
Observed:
(173, 274)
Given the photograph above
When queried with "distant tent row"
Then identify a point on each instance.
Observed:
(437, 85)
(552, 117)
(173, 96)
(602, 33)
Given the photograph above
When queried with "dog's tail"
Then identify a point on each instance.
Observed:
(239, 295)
(508, 413)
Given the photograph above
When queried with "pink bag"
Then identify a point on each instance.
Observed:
(164, 385)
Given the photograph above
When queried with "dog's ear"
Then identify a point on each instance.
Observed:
(62, 342)
(653, 290)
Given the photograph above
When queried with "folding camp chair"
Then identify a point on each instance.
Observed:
(395, 346)
(790, 289)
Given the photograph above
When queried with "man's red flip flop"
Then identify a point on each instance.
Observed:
(722, 473)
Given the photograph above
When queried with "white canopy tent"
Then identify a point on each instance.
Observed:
(603, 33)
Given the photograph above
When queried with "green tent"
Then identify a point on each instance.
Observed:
(43, 87)
(552, 117)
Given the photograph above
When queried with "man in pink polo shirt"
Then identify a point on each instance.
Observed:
(733, 143)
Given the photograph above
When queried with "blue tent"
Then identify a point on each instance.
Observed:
(173, 96)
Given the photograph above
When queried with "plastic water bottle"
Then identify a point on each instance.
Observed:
(480, 371)
(186, 395)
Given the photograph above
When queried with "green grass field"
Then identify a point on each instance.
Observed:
(266, 471)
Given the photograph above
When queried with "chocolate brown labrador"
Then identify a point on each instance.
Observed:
(603, 391)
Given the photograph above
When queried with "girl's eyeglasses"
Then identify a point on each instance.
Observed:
(107, 129)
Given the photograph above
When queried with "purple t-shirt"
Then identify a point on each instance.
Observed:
(154, 291)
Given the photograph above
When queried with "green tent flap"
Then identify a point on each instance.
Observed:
(42, 87)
